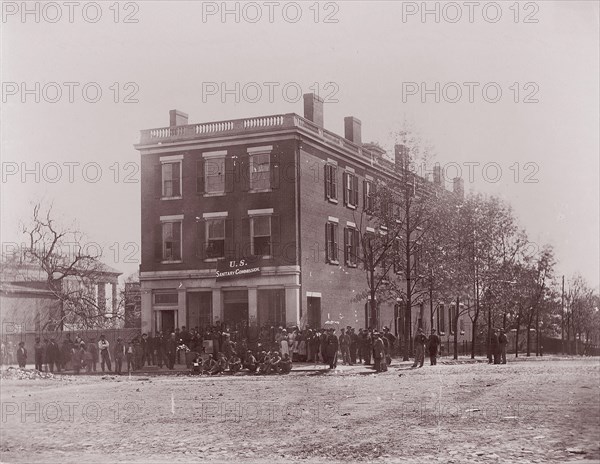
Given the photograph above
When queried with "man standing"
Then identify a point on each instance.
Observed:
(332, 348)
(391, 342)
(53, 355)
(378, 352)
(94, 352)
(39, 354)
(104, 353)
(494, 347)
(345, 347)
(119, 356)
(502, 342)
(171, 349)
(22, 355)
(433, 344)
(353, 344)
(420, 340)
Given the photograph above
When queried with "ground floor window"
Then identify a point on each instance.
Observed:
(271, 307)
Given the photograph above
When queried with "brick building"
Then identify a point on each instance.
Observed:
(252, 221)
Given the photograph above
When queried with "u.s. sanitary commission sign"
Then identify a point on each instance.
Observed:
(230, 268)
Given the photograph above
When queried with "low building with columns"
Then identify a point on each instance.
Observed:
(253, 222)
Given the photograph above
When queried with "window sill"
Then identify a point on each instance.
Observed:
(214, 194)
(353, 266)
(172, 198)
(336, 263)
(212, 260)
(267, 190)
(332, 200)
(172, 262)
(351, 206)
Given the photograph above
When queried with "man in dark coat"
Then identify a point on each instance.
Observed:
(22, 355)
(433, 344)
(494, 345)
(39, 354)
(378, 352)
(502, 342)
(323, 340)
(353, 344)
(368, 347)
(53, 355)
(420, 341)
(171, 350)
(332, 348)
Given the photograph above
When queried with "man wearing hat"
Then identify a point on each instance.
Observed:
(420, 341)
(22, 354)
(378, 351)
(433, 343)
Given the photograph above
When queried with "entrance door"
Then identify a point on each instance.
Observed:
(235, 311)
(313, 305)
(167, 321)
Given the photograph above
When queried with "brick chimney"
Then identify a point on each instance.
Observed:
(353, 129)
(458, 187)
(437, 174)
(313, 108)
(177, 118)
(401, 157)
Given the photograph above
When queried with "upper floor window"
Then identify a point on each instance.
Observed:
(166, 298)
(331, 242)
(331, 182)
(368, 195)
(211, 173)
(260, 171)
(351, 246)
(441, 319)
(169, 248)
(350, 190)
(215, 238)
(452, 317)
(171, 179)
(260, 239)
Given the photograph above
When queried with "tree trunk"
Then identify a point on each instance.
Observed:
(455, 327)
(473, 335)
(528, 339)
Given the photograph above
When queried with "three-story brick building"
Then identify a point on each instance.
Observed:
(253, 221)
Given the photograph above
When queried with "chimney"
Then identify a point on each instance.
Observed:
(313, 108)
(177, 118)
(352, 129)
(437, 174)
(458, 187)
(401, 157)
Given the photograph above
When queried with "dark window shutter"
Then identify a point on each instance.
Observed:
(244, 172)
(229, 174)
(244, 252)
(275, 235)
(158, 180)
(334, 182)
(158, 243)
(344, 187)
(327, 239)
(200, 239)
(355, 189)
(346, 254)
(200, 176)
(177, 240)
(230, 251)
(365, 195)
(327, 182)
(335, 241)
(275, 162)
(356, 246)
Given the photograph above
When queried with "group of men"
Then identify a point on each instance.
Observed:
(267, 362)
(498, 344)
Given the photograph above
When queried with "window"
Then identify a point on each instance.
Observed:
(331, 182)
(452, 317)
(171, 179)
(331, 247)
(462, 325)
(351, 246)
(441, 319)
(215, 238)
(166, 298)
(260, 227)
(350, 190)
(368, 195)
(171, 234)
(214, 175)
(260, 171)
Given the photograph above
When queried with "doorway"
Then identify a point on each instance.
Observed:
(313, 311)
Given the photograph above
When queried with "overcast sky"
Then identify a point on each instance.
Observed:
(536, 143)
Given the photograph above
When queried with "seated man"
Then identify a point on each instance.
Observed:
(220, 365)
(286, 364)
(209, 365)
(275, 363)
(250, 362)
(197, 365)
(235, 363)
(263, 366)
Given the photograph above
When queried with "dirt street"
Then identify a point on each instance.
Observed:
(522, 412)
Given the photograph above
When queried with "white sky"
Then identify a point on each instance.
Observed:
(170, 52)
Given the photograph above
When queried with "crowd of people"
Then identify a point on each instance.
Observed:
(213, 350)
